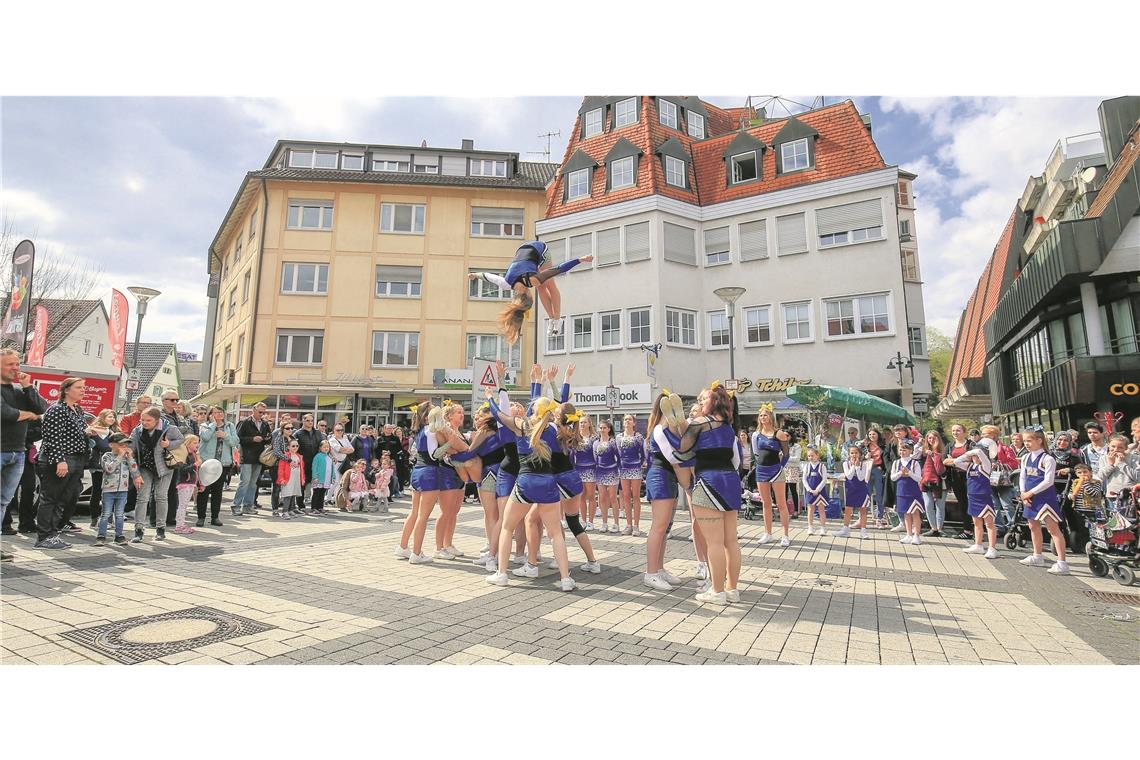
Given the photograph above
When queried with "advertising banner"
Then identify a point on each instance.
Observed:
(100, 393)
(16, 319)
(39, 340)
(117, 327)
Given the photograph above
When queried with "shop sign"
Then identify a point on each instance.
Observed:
(771, 384)
(1124, 389)
(595, 396)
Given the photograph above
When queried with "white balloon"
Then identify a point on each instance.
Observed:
(209, 472)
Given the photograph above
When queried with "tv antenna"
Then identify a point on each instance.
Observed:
(778, 107)
(546, 152)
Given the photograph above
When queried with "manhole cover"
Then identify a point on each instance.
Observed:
(153, 636)
(1111, 598)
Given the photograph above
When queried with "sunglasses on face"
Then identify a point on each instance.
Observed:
(287, 427)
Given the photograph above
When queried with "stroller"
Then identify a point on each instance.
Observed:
(1113, 545)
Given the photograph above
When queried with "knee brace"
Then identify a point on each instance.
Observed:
(575, 525)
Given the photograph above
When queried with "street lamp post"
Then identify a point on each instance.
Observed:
(729, 295)
(143, 295)
(899, 362)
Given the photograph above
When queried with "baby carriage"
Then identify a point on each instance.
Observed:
(1113, 546)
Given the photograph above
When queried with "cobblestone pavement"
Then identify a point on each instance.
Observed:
(329, 590)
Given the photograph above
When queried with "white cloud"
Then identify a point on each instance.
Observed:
(347, 119)
(28, 212)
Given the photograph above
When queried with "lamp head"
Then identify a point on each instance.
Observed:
(729, 294)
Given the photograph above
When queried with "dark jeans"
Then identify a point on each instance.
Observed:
(58, 496)
(957, 480)
(213, 495)
(96, 502)
(319, 498)
(29, 487)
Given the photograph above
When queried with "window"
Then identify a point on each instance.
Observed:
(904, 228)
(487, 167)
(479, 289)
(86, 348)
(381, 165)
(240, 350)
(716, 246)
(914, 337)
(493, 347)
(681, 327)
(609, 329)
(310, 215)
(791, 234)
(680, 244)
(402, 217)
(300, 346)
(754, 240)
(639, 331)
(395, 349)
(609, 247)
(621, 173)
(626, 113)
(719, 335)
(744, 167)
(910, 265)
(849, 223)
(352, 162)
(425, 168)
(245, 281)
(304, 278)
(835, 238)
(496, 222)
(556, 251)
(904, 193)
(252, 225)
(593, 122)
(862, 315)
(674, 171)
(555, 344)
(794, 155)
(696, 125)
(578, 184)
(398, 282)
(167, 371)
(757, 326)
(237, 251)
(583, 331)
(636, 242)
(233, 303)
(312, 159)
(668, 113)
(99, 351)
(229, 357)
(581, 245)
(797, 322)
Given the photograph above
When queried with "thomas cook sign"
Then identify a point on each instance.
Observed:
(594, 396)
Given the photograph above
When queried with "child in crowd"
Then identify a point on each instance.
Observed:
(814, 475)
(978, 464)
(291, 478)
(906, 473)
(1038, 474)
(186, 484)
(384, 479)
(1118, 470)
(324, 476)
(355, 485)
(1085, 492)
(119, 471)
(856, 491)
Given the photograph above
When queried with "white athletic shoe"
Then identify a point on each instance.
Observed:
(419, 559)
(402, 553)
(670, 578)
(915, 540)
(564, 525)
(552, 564)
(621, 514)
(703, 586)
(518, 559)
(991, 553)
(604, 529)
(594, 567)
(455, 552)
(614, 529)
(568, 584)
(905, 539)
(499, 579)
(863, 533)
(974, 549)
(843, 532)
(764, 538)
(1059, 568)
(1033, 560)
(628, 531)
(481, 559)
(526, 571)
(638, 533)
(588, 527)
(443, 553)
(554, 327)
(702, 571)
(785, 542)
(712, 597)
(898, 528)
(821, 531)
(655, 581)
(492, 564)
(732, 594)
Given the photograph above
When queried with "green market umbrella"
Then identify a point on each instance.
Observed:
(850, 402)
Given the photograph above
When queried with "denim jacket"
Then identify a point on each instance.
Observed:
(118, 472)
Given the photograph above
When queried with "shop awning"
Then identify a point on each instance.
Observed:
(850, 403)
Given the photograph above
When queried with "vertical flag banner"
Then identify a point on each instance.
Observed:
(39, 341)
(117, 327)
(20, 293)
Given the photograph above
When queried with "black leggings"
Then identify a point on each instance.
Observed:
(318, 502)
(213, 495)
(793, 497)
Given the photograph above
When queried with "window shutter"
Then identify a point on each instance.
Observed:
(637, 242)
(580, 246)
(680, 244)
(754, 240)
(850, 216)
(791, 235)
(556, 251)
(609, 246)
(716, 240)
(497, 215)
(399, 274)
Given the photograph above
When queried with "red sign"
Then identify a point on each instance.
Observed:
(117, 327)
(39, 342)
(100, 394)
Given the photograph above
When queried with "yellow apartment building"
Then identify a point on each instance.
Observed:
(338, 277)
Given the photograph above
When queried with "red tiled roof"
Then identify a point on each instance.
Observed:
(844, 148)
(1124, 163)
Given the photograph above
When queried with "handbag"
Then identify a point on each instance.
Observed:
(176, 455)
(999, 475)
(267, 457)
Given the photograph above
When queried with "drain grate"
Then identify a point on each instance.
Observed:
(1111, 598)
(150, 637)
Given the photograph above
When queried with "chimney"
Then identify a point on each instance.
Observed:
(423, 144)
(468, 145)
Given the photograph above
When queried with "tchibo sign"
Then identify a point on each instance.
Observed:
(594, 396)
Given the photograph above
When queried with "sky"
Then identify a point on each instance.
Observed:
(138, 185)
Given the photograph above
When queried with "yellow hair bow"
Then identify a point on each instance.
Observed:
(575, 417)
(666, 392)
(714, 385)
(544, 406)
(447, 402)
(768, 407)
(486, 406)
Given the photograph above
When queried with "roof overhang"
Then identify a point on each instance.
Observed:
(970, 398)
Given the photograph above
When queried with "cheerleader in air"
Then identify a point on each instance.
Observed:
(906, 473)
(530, 269)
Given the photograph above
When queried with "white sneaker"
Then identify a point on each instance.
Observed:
(597, 514)
(621, 514)
(483, 559)
(991, 553)
(1033, 560)
(614, 529)
(703, 586)
(628, 531)
(499, 579)
(564, 525)
(863, 533)
(526, 571)
(905, 539)
(568, 584)
(764, 538)
(712, 597)
(785, 542)
(898, 528)
(443, 554)
(843, 532)
(604, 529)
(402, 553)
(518, 559)
(594, 567)
(1059, 568)
(670, 578)
(974, 549)
(553, 327)
(638, 533)
(552, 564)
(455, 552)
(915, 540)
(732, 594)
(655, 581)
(419, 559)
(702, 572)
(822, 531)
(590, 526)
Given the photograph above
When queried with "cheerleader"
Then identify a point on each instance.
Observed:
(906, 473)
(450, 485)
(770, 448)
(534, 486)
(1038, 473)
(530, 269)
(631, 455)
(685, 480)
(425, 485)
(814, 478)
(856, 491)
(976, 463)
(491, 452)
(607, 461)
(661, 481)
(586, 467)
(570, 484)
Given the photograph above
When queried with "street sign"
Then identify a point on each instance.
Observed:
(613, 397)
(482, 376)
(920, 405)
(132, 385)
(651, 366)
(731, 385)
(133, 374)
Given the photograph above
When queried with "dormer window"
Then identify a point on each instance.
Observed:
(391, 166)
(674, 171)
(794, 155)
(744, 167)
(795, 146)
(352, 162)
(487, 167)
(593, 122)
(578, 184)
(668, 113)
(621, 173)
(312, 159)
(696, 125)
(625, 113)
(621, 165)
